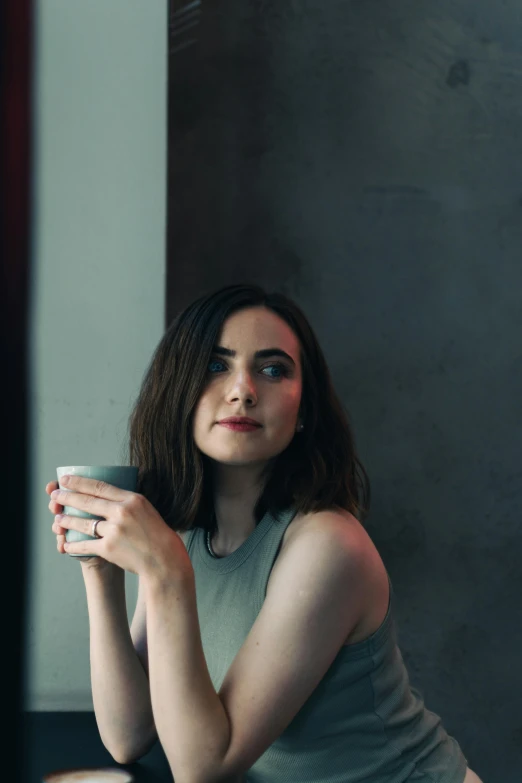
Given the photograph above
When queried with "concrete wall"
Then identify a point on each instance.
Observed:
(365, 158)
(98, 286)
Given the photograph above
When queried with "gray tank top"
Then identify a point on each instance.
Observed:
(364, 723)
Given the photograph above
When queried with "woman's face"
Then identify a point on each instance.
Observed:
(267, 389)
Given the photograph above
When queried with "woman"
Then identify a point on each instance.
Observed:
(262, 647)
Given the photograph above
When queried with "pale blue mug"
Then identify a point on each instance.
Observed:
(119, 475)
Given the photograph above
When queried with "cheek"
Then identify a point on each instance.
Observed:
(202, 409)
(284, 416)
(200, 418)
(290, 404)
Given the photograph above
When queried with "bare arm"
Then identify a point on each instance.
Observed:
(119, 664)
(119, 680)
(120, 687)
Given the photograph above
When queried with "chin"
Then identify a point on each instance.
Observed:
(244, 457)
(239, 455)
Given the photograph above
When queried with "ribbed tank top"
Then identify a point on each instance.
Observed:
(363, 722)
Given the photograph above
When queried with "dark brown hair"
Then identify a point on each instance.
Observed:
(318, 470)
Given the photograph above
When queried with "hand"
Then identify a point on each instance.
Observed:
(56, 508)
(132, 533)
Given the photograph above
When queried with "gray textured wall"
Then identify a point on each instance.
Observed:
(365, 158)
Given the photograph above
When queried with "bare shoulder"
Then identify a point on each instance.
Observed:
(337, 530)
(331, 533)
(329, 523)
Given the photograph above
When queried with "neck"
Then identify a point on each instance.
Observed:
(236, 492)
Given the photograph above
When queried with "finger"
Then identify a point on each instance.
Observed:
(80, 524)
(50, 487)
(83, 548)
(60, 541)
(89, 503)
(55, 508)
(95, 487)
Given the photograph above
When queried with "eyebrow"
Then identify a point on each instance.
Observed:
(219, 349)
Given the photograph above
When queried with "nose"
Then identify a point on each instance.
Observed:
(242, 388)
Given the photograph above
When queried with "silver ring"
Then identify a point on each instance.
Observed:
(94, 534)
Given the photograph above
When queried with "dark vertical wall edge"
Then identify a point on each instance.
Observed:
(16, 35)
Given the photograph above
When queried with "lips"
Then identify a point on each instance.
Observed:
(240, 420)
(240, 426)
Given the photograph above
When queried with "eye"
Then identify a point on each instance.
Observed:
(214, 361)
(282, 368)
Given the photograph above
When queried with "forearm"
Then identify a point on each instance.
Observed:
(120, 688)
(190, 718)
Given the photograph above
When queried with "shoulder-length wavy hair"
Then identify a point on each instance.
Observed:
(318, 470)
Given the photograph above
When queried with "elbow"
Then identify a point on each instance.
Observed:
(130, 755)
(122, 756)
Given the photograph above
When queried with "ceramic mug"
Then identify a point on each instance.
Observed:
(119, 475)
